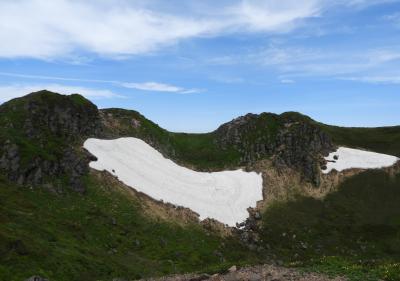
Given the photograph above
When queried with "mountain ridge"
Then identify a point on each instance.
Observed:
(43, 124)
(65, 221)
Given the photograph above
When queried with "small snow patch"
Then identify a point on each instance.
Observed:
(224, 196)
(348, 158)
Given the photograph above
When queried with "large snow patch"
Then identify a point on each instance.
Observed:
(224, 196)
(348, 158)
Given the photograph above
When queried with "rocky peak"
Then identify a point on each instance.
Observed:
(289, 139)
(40, 133)
(69, 117)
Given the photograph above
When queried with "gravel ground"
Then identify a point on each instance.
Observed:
(254, 273)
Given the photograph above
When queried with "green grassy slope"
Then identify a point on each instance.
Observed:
(354, 231)
(382, 139)
(197, 150)
(99, 236)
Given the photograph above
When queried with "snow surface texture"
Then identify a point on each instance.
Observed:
(348, 158)
(224, 196)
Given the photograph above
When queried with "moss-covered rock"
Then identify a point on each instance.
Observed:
(41, 136)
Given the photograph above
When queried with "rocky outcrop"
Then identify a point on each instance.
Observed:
(73, 164)
(119, 123)
(41, 136)
(290, 140)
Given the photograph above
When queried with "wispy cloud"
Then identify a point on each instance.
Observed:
(375, 79)
(287, 81)
(159, 87)
(46, 77)
(292, 61)
(8, 92)
(363, 3)
(60, 28)
(393, 18)
(145, 86)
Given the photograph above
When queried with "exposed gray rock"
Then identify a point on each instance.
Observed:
(49, 127)
(232, 268)
(290, 140)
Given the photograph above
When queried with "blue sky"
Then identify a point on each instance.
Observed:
(192, 65)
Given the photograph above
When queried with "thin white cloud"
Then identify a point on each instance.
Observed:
(45, 77)
(280, 56)
(393, 18)
(8, 92)
(117, 28)
(356, 4)
(297, 61)
(375, 79)
(228, 79)
(146, 86)
(159, 87)
(291, 62)
(261, 15)
(287, 81)
(153, 86)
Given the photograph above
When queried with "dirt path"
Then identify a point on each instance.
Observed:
(254, 273)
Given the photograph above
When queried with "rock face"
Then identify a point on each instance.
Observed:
(289, 139)
(40, 136)
(119, 123)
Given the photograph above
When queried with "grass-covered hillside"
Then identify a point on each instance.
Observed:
(101, 235)
(354, 231)
(200, 151)
(381, 139)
